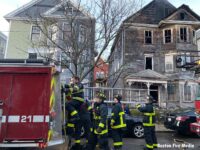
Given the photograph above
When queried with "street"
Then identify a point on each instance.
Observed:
(166, 141)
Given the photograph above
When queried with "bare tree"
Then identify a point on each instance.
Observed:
(73, 37)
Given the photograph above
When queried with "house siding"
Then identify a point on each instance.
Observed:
(19, 40)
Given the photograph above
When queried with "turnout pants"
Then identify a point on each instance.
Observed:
(86, 124)
(117, 138)
(73, 108)
(150, 137)
(100, 140)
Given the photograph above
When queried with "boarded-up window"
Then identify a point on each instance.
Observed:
(187, 93)
(169, 63)
(171, 90)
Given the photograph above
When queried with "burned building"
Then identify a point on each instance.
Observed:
(144, 53)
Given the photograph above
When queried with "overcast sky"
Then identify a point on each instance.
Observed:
(7, 6)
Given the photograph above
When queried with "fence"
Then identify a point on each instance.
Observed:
(129, 95)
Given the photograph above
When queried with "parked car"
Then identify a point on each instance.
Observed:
(134, 125)
(180, 120)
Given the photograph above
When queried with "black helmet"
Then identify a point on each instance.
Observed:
(118, 97)
(150, 98)
(101, 96)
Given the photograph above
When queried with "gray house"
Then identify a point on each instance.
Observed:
(3, 41)
(143, 55)
(55, 29)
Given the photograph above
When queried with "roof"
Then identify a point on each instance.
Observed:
(187, 8)
(36, 8)
(147, 74)
(149, 14)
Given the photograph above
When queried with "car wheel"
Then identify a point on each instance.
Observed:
(138, 131)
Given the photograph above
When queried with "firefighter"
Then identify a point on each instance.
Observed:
(149, 123)
(75, 88)
(85, 118)
(99, 134)
(117, 122)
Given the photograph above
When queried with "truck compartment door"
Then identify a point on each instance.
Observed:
(5, 94)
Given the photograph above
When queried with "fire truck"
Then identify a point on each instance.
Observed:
(30, 104)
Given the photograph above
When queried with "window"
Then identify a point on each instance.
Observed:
(100, 75)
(182, 16)
(183, 34)
(66, 29)
(82, 34)
(194, 36)
(149, 63)
(168, 36)
(32, 56)
(35, 33)
(187, 92)
(167, 11)
(171, 90)
(68, 10)
(148, 37)
(169, 63)
(185, 59)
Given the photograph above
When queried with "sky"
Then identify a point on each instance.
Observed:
(7, 6)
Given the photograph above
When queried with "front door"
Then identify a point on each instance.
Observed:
(154, 92)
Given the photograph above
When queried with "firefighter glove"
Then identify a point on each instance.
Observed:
(112, 122)
(99, 130)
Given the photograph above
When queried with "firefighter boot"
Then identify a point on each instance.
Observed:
(76, 147)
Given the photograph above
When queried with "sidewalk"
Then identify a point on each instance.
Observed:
(161, 128)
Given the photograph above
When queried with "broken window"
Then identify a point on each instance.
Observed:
(183, 34)
(168, 36)
(149, 63)
(148, 37)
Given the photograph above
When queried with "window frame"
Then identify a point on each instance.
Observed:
(82, 37)
(187, 34)
(34, 54)
(188, 95)
(164, 36)
(151, 31)
(66, 31)
(152, 61)
(31, 37)
(167, 62)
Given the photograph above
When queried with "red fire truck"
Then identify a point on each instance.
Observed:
(30, 104)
